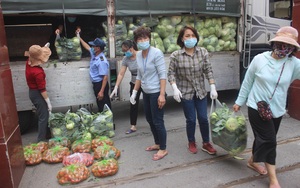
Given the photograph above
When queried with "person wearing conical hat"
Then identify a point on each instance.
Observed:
(36, 81)
(268, 79)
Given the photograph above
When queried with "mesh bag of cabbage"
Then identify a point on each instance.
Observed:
(68, 49)
(228, 128)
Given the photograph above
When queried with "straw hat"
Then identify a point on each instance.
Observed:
(287, 34)
(38, 55)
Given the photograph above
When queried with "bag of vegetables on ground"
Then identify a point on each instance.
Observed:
(228, 128)
(104, 168)
(72, 174)
(103, 124)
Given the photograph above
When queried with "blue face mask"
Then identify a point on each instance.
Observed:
(143, 45)
(190, 43)
(93, 51)
(128, 54)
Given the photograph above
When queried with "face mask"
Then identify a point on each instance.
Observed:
(93, 51)
(190, 43)
(128, 54)
(282, 50)
(143, 45)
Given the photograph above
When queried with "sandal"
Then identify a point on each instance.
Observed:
(130, 131)
(157, 157)
(257, 168)
(152, 148)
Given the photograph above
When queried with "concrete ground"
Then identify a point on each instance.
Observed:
(179, 168)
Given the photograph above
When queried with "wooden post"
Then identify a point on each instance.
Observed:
(110, 4)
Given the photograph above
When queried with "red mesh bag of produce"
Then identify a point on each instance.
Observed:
(40, 146)
(81, 146)
(55, 154)
(32, 157)
(78, 158)
(100, 141)
(59, 141)
(106, 152)
(105, 168)
(73, 174)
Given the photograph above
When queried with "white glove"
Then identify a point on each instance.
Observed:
(132, 97)
(213, 92)
(49, 104)
(177, 94)
(114, 92)
(47, 44)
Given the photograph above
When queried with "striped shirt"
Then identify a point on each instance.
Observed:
(188, 72)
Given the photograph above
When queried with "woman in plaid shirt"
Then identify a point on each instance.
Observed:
(186, 75)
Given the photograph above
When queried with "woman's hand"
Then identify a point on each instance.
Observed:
(236, 107)
(161, 101)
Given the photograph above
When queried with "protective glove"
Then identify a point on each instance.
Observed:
(49, 104)
(47, 44)
(114, 92)
(132, 97)
(177, 94)
(213, 92)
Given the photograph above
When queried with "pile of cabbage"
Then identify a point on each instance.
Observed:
(216, 33)
(68, 49)
(229, 131)
(82, 124)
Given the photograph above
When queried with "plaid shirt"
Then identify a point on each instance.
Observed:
(188, 72)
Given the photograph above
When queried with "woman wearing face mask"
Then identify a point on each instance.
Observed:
(267, 79)
(186, 75)
(151, 77)
(129, 61)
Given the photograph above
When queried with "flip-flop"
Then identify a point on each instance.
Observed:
(130, 131)
(151, 148)
(157, 157)
(259, 169)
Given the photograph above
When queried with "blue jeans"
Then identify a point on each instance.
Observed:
(190, 107)
(155, 118)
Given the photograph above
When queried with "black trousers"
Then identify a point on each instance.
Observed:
(265, 142)
(106, 100)
(134, 109)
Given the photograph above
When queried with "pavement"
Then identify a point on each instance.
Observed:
(179, 168)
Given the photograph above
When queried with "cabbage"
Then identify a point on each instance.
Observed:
(231, 124)
(208, 23)
(211, 30)
(165, 21)
(199, 25)
(213, 40)
(178, 28)
(221, 42)
(206, 41)
(230, 25)
(175, 20)
(204, 32)
(232, 45)
(210, 48)
(218, 48)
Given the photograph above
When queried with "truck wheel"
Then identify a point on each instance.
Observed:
(25, 120)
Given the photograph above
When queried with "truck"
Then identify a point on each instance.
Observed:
(68, 82)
